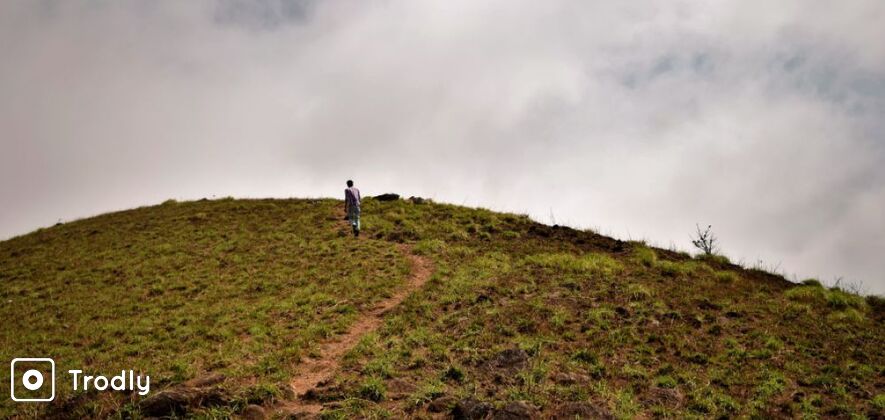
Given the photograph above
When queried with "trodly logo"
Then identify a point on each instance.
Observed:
(126, 381)
(32, 379)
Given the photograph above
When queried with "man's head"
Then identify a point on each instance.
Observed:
(349, 183)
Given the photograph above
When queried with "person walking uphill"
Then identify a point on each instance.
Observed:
(352, 207)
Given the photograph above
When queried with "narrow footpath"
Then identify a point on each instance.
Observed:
(313, 371)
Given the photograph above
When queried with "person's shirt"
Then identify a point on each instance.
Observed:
(352, 197)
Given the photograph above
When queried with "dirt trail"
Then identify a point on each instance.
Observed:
(313, 371)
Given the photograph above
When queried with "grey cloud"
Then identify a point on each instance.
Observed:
(263, 14)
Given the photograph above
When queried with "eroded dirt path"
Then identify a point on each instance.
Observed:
(313, 371)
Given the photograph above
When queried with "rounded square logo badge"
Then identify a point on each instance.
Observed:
(32, 379)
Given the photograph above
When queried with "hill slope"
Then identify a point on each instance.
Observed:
(516, 318)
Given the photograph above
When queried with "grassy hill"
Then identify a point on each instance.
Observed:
(517, 318)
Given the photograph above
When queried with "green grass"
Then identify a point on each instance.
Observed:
(726, 276)
(716, 259)
(645, 256)
(879, 402)
(248, 287)
(673, 269)
(243, 288)
(373, 389)
(842, 308)
(592, 264)
(622, 323)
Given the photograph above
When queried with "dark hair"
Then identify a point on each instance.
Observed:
(349, 183)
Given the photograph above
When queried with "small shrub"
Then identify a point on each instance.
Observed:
(714, 258)
(626, 405)
(705, 240)
(509, 234)
(838, 299)
(180, 371)
(807, 294)
(701, 404)
(773, 384)
(460, 251)
(666, 381)
(559, 319)
(262, 393)
(373, 389)
(698, 358)
(772, 343)
(876, 303)
(672, 269)
(846, 316)
(458, 235)
(726, 276)
(417, 362)
(795, 310)
(587, 263)
(812, 282)
(491, 264)
(596, 370)
(645, 256)
(585, 356)
(426, 393)
(429, 246)
(637, 292)
(727, 404)
(879, 402)
(810, 405)
(634, 372)
(532, 346)
(379, 367)
(454, 373)
(760, 354)
(698, 269)
(600, 316)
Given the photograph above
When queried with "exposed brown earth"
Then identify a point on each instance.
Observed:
(315, 371)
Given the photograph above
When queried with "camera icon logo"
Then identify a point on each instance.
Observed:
(32, 379)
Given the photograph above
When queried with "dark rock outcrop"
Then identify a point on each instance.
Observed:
(200, 392)
(667, 397)
(511, 360)
(471, 409)
(253, 412)
(442, 404)
(387, 197)
(517, 410)
(581, 410)
(561, 378)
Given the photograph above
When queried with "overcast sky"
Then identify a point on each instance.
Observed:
(638, 119)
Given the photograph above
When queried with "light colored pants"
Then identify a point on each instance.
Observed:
(353, 214)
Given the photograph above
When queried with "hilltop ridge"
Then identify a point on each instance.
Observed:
(516, 318)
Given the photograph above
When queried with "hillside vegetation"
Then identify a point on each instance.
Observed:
(517, 319)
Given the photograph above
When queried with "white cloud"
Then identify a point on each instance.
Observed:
(635, 117)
